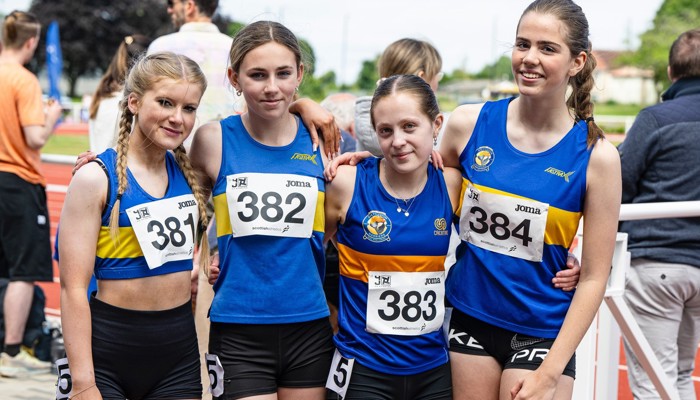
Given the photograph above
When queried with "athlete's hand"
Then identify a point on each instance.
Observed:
(535, 385)
(317, 118)
(436, 160)
(214, 268)
(349, 158)
(567, 279)
(83, 158)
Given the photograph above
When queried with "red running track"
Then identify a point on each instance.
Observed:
(60, 175)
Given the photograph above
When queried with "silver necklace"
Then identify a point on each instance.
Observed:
(408, 202)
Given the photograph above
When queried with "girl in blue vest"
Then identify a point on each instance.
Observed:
(532, 167)
(132, 218)
(392, 219)
(270, 336)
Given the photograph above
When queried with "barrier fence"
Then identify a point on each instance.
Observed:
(597, 366)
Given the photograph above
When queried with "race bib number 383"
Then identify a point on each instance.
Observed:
(503, 224)
(165, 229)
(271, 204)
(405, 303)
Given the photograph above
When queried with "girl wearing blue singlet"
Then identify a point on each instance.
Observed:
(392, 219)
(270, 337)
(532, 167)
(132, 219)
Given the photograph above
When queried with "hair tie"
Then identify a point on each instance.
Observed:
(119, 196)
(589, 119)
(380, 80)
(128, 40)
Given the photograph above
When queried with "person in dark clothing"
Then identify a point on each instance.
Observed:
(660, 164)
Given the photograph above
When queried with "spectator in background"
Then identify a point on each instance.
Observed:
(25, 247)
(660, 163)
(104, 109)
(403, 57)
(342, 106)
(199, 39)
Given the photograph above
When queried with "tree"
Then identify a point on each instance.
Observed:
(500, 70)
(92, 30)
(369, 74)
(673, 18)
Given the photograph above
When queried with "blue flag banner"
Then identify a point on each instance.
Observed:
(54, 60)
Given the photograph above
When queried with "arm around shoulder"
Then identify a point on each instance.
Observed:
(339, 195)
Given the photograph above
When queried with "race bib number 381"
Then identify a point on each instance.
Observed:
(503, 224)
(165, 229)
(405, 303)
(271, 204)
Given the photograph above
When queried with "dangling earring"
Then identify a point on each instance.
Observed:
(435, 141)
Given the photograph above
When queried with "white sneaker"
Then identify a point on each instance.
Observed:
(22, 364)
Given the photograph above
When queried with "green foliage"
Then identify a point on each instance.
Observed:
(317, 88)
(499, 70)
(673, 18)
(369, 74)
(612, 108)
(92, 30)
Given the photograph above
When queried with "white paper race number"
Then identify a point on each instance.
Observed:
(339, 376)
(271, 204)
(503, 224)
(216, 374)
(165, 229)
(405, 303)
(64, 384)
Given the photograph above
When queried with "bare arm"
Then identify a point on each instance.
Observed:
(457, 133)
(206, 154)
(338, 197)
(600, 217)
(317, 118)
(37, 135)
(79, 230)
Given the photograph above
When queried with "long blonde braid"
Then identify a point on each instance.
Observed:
(125, 125)
(183, 161)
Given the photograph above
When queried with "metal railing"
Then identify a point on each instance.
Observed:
(597, 366)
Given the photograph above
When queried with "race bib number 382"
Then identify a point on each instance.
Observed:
(271, 204)
(165, 229)
(503, 224)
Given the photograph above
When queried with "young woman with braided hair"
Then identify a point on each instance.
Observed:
(532, 166)
(132, 218)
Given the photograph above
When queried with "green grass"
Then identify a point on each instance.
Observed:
(70, 145)
(617, 109)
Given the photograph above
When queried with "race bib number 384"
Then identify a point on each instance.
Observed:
(271, 204)
(165, 229)
(503, 224)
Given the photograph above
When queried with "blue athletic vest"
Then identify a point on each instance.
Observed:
(267, 279)
(377, 237)
(124, 259)
(510, 292)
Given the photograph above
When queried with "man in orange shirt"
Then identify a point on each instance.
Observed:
(25, 248)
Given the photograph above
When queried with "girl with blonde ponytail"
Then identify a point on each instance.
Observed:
(132, 218)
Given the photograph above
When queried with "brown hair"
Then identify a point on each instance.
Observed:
(576, 36)
(684, 56)
(259, 33)
(145, 73)
(130, 48)
(410, 84)
(19, 27)
(409, 57)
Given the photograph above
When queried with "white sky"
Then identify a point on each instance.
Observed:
(468, 33)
